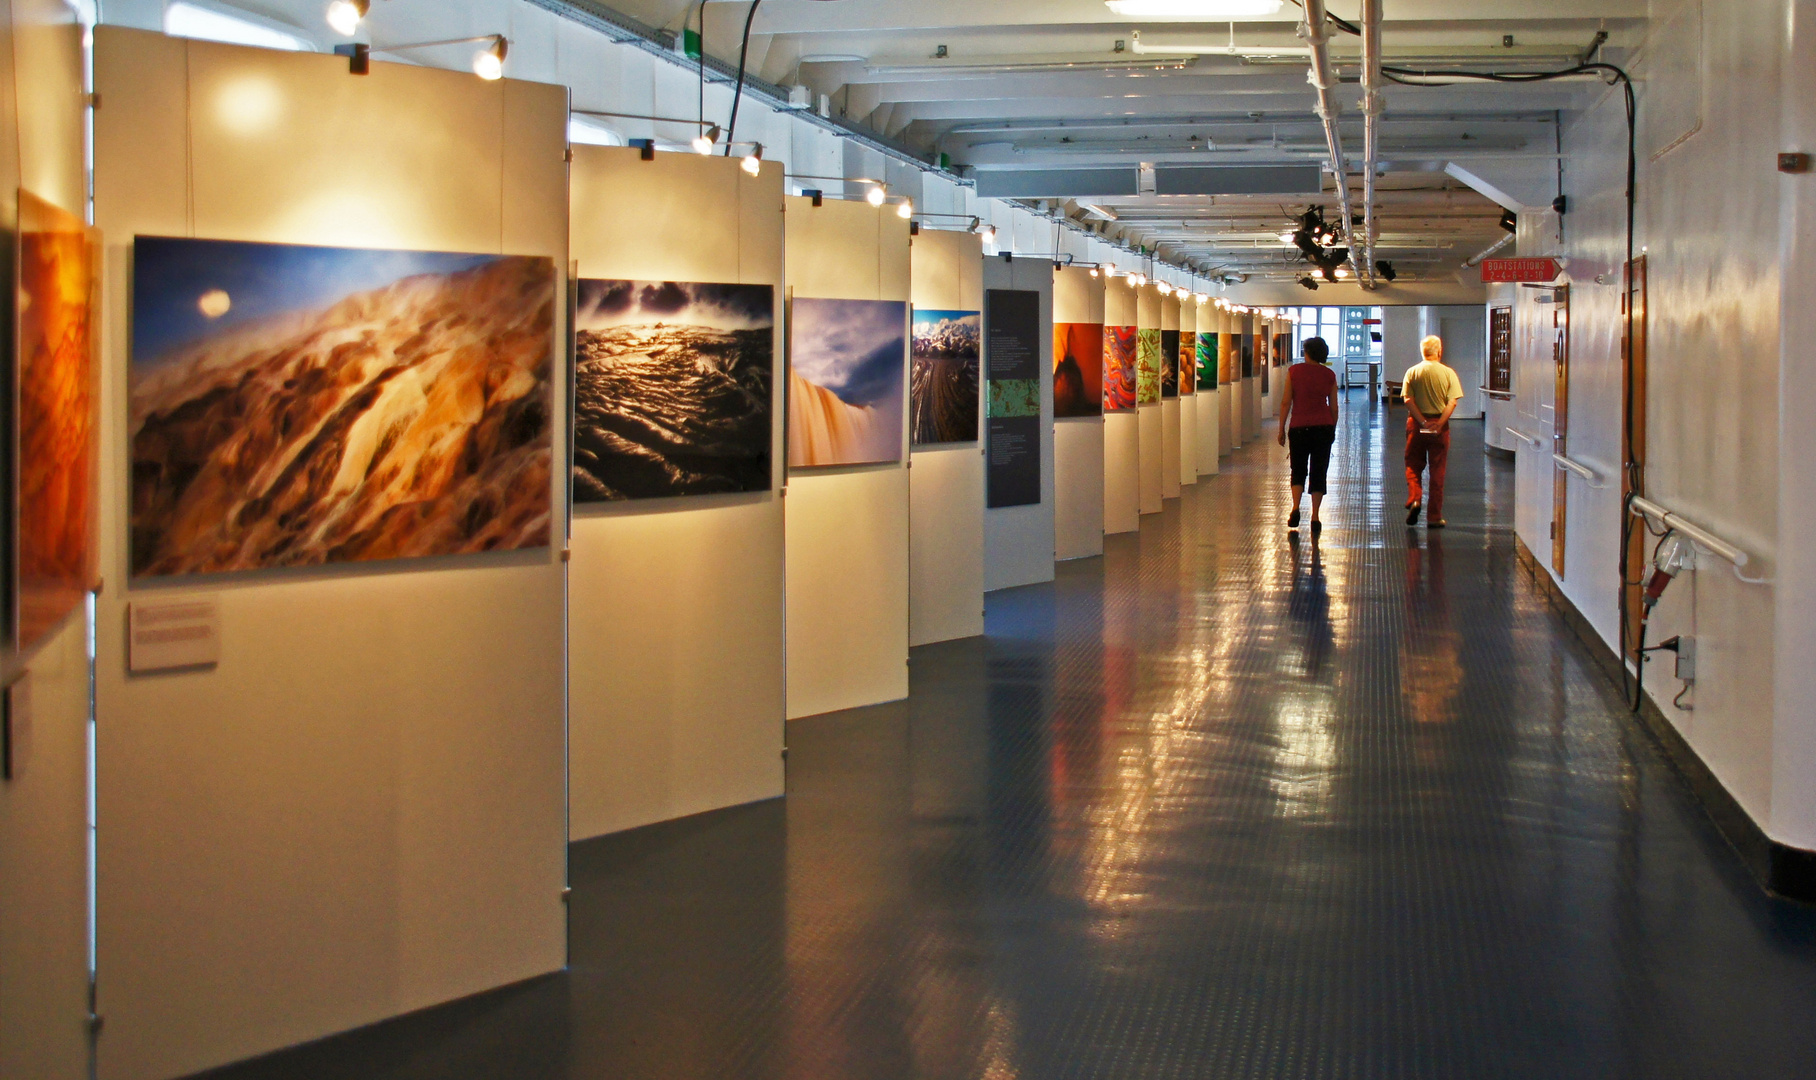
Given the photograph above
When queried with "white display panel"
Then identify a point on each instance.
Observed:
(1188, 403)
(1121, 456)
(946, 484)
(1151, 451)
(1170, 425)
(1078, 442)
(361, 810)
(1210, 433)
(1019, 541)
(847, 526)
(656, 730)
(44, 806)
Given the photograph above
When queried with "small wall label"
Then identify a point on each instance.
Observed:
(166, 634)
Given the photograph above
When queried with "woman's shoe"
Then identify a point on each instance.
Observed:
(1317, 527)
(1292, 519)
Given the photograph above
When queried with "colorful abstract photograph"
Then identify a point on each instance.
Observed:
(54, 520)
(1169, 363)
(1207, 361)
(1118, 368)
(1147, 367)
(1078, 350)
(672, 385)
(847, 360)
(942, 377)
(295, 406)
(1188, 363)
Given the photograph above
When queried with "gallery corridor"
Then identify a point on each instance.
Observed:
(1222, 803)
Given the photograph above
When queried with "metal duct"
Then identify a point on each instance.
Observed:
(1371, 128)
(1315, 30)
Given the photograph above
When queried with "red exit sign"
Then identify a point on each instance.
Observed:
(1519, 269)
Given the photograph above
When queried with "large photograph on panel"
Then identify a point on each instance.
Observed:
(1169, 363)
(54, 478)
(1147, 367)
(297, 406)
(1078, 379)
(1118, 369)
(845, 381)
(943, 377)
(672, 384)
(1207, 361)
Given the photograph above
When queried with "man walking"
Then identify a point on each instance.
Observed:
(1432, 391)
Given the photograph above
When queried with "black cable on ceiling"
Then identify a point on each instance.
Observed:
(731, 129)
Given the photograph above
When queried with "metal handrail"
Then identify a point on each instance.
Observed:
(1523, 437)
(1580, 469)
(1641, 506)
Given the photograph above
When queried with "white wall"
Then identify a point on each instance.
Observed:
(44, 807)
(1151, 451)
(1078, 441)
(1710, 222)
(1121, 438)
(946, 485)
(1019, 541)
(360, 811)
(655, 585)
(847, 554)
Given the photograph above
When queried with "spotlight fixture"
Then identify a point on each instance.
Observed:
(1510, 221)
(1342, 273)
(876, 195)
(1288, 237)
(1093, 271)
(906, 210)
(753, 161)
(706, 140)
(988, 233)
(818, 196)
(1309, 282)
(488, 63)
(1385, 269)
(345, 15)
(1164, 289)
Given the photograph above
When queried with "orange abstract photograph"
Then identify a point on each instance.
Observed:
(54, 546)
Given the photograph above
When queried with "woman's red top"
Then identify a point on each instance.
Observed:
(1312, 384)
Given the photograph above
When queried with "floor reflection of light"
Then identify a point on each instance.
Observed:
(1305, 759)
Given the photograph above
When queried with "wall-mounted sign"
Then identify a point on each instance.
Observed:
(1519, 270)
(1012, 334)
(166, 634)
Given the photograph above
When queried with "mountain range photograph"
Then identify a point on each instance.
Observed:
(672, 389)
(943, 377)
(297, 406)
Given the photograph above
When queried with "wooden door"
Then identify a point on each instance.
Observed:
(1633, 419)
(1560, 422)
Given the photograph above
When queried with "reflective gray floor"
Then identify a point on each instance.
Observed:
(1218, 804)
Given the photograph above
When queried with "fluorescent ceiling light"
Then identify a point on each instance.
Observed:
(1191, 10)
(1102, 213)
(184, 19)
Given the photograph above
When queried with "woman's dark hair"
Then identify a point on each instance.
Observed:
(1316, 350)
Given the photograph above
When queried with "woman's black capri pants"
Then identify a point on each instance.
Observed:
(1309, 449)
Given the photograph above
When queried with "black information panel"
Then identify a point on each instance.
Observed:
(1012, 359)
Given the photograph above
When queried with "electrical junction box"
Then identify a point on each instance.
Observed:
(1686, 659)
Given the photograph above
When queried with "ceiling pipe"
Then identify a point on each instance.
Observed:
(1476, 259)
(1371, 128)
(1315, 30)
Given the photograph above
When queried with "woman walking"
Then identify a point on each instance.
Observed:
(1308, 420)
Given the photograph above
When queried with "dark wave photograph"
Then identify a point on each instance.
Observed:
(672, 389)
(1077, 369)
(294, 405)
(942, 377)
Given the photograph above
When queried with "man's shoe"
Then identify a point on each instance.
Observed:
(1438, 524)
(1412, 514)
(1292, 519)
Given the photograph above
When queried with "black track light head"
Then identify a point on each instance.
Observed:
(1385, 269)
(1510, 221)
(1309, 282)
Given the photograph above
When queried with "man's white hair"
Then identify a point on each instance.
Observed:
(1430, 346)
